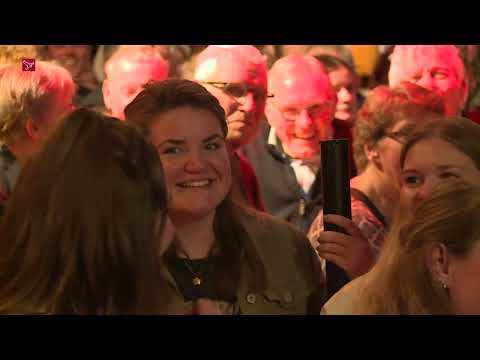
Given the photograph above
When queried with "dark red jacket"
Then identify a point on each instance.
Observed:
(245, 182)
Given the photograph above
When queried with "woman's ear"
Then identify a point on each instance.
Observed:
(440, 264)
(106, 93)
(371, 152)
(32, 129)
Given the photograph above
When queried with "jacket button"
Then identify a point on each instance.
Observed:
(288, 297)
(251, 298)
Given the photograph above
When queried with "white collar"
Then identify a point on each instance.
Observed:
(272, 137)
(273, 140)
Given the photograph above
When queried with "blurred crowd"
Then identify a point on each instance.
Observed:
(187, 179)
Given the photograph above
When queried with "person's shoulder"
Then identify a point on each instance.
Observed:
(359, 206)
(272, 235)
(343, 301)
(269, 223)
(363, 210)
(285, 251)
(362, 214)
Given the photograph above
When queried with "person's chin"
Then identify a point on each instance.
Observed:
(238, 138)
(343, 116)
(305, 153)
(193, 213)
(238, 126)
(452, 108)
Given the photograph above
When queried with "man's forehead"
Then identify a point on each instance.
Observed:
(294, 68)
(418, 58)
(293, 93)
(230, 67)
(132, 73)
(152, 66)
(341, 74)
(299, 79)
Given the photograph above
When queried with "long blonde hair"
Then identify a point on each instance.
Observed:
(401, 282)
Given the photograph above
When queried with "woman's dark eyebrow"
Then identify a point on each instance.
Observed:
(172, 142)
(213, 137)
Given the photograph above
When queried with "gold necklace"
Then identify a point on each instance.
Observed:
(197, 277)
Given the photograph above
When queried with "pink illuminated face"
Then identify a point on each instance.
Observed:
(441, 72)
(302, 109)
(75, 58)
(125, 81)
(241, 88)
(344, 84)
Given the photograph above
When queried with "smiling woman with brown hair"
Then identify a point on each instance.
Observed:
(239, 260)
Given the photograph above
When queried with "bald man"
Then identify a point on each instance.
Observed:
(286, 157)
(237, 76)
(127, 71)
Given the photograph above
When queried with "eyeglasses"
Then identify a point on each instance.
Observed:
(314, 112)
(237, 90)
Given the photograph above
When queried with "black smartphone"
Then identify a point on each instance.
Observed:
(336, 199)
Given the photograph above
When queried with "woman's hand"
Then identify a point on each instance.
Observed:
(350, 251)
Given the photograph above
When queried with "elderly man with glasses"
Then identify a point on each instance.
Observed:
(237, 76)
(286, 157)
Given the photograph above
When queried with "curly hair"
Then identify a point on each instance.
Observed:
(384, 107)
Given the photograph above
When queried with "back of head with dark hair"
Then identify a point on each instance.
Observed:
(79, 233)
